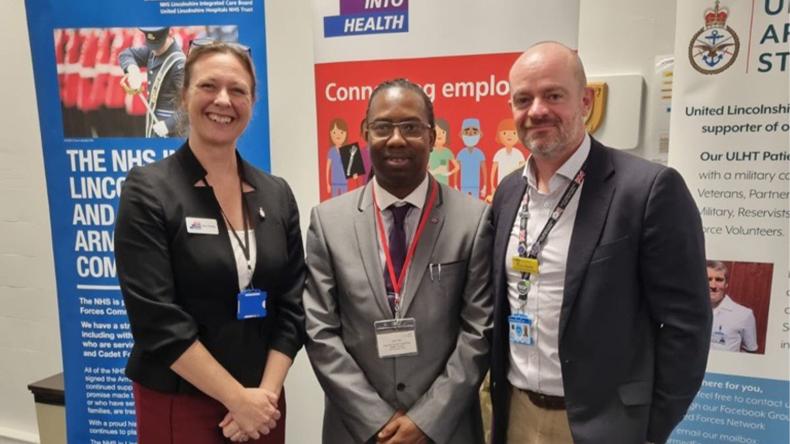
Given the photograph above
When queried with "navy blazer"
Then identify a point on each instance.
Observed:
(180, 287)
(635, 322)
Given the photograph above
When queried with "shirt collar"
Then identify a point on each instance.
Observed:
(416, 197)
(727, 303)
(568, 169)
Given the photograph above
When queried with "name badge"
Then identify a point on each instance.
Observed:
(521, 329)
(396, 337)
(251, 304)
(525, 264)
(201, 225)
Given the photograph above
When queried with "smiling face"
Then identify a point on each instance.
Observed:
(399, 163)
(717, 283)
(338, 136)
(549, 100)
(508, 138)
(218, 100)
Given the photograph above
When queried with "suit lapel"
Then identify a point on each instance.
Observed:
(221, 245)
(258, 207)
(511, 202)
(367, 243)
(256, 203)
(257, 200)
(261, 211)
(591, 216)
(424, 250)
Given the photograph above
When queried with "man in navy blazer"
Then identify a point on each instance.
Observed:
(602, 316)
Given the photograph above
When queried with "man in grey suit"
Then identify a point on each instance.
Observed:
(397, 302)
(602, 317)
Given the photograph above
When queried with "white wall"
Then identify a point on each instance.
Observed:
(292, 120)
(624, 37)
(616, 36)
(29, 337)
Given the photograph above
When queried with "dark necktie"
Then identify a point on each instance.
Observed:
(397, 245)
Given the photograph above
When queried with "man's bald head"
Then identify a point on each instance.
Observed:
(554, 50)
(550, 99)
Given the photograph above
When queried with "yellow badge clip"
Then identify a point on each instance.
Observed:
(525, 265)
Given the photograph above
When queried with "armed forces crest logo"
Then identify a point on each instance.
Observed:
(715, 46)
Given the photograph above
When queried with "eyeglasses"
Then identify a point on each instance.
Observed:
(411, 129)
(197, 43)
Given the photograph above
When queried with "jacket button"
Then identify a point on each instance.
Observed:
(400, 386)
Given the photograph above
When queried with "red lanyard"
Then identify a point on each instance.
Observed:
(397, 284)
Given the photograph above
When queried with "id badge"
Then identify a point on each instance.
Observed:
(525, 265)
(251, 303)
(521, 329)
(719, 337)
(396, 337)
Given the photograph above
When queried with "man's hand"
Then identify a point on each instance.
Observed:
(253, 414)
(134, 77)
(381, 435)
(401, 430)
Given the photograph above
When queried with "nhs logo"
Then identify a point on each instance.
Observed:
(368, 17)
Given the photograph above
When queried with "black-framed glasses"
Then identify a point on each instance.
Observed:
(204, 41)
(411, 129)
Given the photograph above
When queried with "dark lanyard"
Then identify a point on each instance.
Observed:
(397, 282)
(537, 246)
(245, 246)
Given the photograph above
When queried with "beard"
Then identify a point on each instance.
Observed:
(554, 140)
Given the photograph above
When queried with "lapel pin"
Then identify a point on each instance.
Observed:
(434, 220)
(261, 213)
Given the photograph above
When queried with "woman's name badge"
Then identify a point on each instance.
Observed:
(525, 264)
(202, 225)
(251, 303)
(521, 329)
(396, 337)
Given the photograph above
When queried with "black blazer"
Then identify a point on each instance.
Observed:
(635, 322)
(180, 287)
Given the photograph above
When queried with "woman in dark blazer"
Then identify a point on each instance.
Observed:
(210, 261)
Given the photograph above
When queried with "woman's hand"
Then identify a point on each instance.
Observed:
(250, 415)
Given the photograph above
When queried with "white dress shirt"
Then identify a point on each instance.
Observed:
(537, 367)
(734, 327)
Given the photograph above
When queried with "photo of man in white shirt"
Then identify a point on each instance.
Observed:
(734, 327)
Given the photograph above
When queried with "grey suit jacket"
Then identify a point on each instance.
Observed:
(635, 319)
(345, 295)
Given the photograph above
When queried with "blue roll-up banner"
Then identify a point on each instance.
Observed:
(94, 128)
